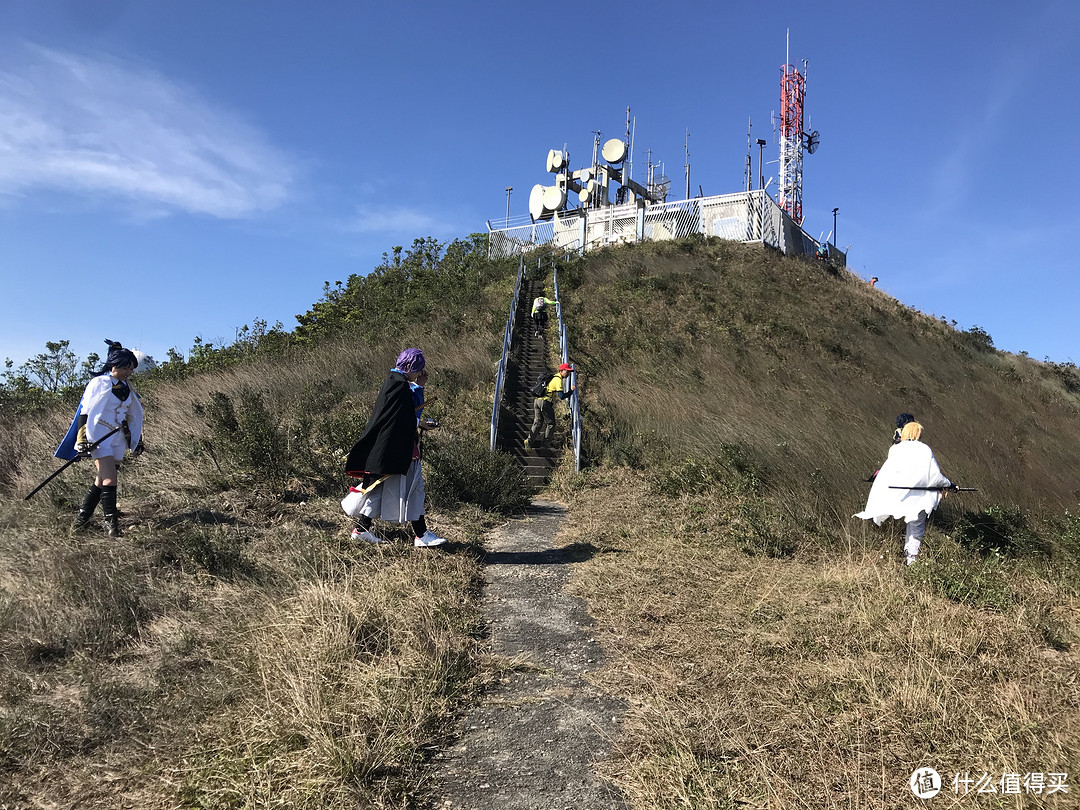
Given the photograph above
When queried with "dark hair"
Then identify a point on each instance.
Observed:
(118, 356)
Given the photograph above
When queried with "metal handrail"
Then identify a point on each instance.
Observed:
(500, 374)
(564, 348)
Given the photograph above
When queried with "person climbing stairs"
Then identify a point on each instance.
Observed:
(530, 357)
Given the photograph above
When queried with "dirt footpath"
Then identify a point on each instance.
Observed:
(531, 741)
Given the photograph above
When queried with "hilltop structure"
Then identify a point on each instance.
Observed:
(610, 207)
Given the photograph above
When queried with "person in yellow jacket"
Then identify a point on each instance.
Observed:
(539, 313)
(543, 426)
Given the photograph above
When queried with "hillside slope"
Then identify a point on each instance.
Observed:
(687, 347)
(235, 649)
(774, 651)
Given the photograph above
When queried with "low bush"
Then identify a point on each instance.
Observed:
(213, 550)
(966, 576)
(463, 469)
(246, 435)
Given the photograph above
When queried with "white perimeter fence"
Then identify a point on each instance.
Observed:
(750, 216)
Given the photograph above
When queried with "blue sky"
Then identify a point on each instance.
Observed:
(172, 169)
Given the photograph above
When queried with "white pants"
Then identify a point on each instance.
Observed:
(116, 446)
(913, 536)
(398, 499)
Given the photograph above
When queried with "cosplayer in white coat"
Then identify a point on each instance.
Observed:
(109, 402)
(910, 464)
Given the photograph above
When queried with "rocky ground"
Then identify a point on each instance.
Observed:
(532, 740)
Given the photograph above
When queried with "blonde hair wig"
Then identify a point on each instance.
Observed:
(911, 432)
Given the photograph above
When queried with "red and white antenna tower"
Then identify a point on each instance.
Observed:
(792, 95)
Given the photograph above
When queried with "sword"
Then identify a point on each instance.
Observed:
(68, 463)
(946, 489)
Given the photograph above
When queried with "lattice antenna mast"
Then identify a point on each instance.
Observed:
(792, 96)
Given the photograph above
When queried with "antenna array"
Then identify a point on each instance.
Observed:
(592, 185)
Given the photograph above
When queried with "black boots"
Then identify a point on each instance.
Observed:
(107, 497)
(89, 504)
(108, 506)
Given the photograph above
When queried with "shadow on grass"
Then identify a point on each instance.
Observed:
(199, 517)
(573, 553)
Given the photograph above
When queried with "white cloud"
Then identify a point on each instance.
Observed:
(385, 219)
(100, 127)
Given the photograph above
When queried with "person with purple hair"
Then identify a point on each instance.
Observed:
(386, 458)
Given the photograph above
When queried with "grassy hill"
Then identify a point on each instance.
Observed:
(773, 650)
(234, 650)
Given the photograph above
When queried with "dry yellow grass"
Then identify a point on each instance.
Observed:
(233, 651)
(822, 683)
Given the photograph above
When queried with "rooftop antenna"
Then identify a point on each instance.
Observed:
(687, 166)
(593, 198)
(749, 126)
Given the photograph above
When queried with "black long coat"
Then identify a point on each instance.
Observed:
(386, 446)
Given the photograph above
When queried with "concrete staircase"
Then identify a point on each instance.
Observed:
(528, 358)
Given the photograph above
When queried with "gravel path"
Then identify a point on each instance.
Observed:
(532, 740)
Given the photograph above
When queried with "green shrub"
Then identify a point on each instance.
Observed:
(319, 442)
(246, 435)
(978, 338)
(458, 468)
(966, 577)
(760, 530)
(998, 530)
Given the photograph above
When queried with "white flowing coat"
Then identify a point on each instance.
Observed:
(910, 464)
(104, 412)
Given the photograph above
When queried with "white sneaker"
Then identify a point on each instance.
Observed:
(365, 536)
(910, 560)
(429, 539)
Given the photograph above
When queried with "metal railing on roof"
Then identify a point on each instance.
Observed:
(747, 216)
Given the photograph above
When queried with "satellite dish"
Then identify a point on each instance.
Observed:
(554, 198)
(614, 151)
(812, 141)
(556, 160)
(146, 362)
(585, 175)
(536, 201)
(550, 158)
(583, 196)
